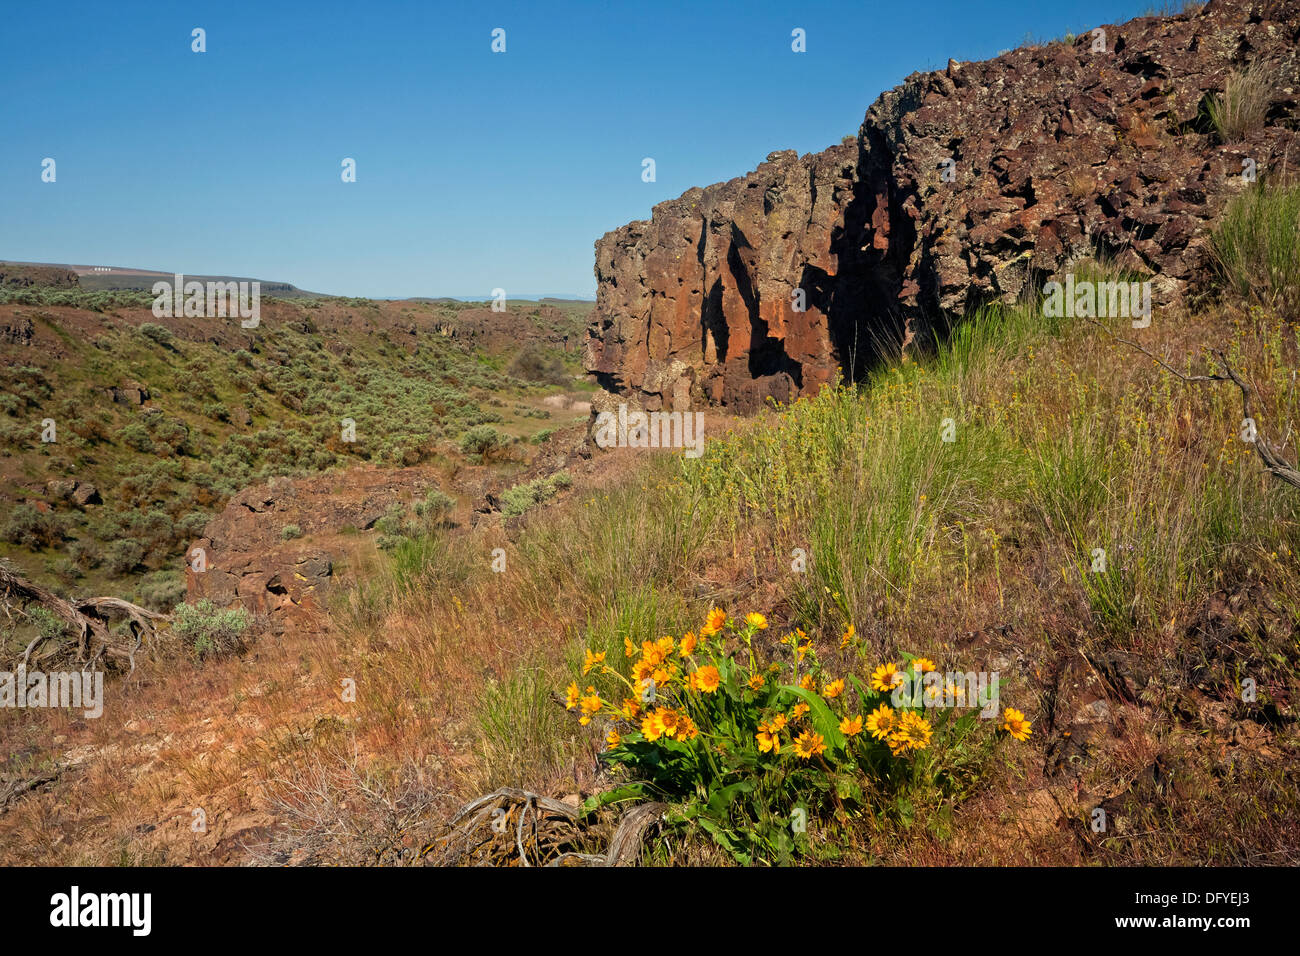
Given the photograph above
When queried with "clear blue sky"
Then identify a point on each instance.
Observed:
(474, 170)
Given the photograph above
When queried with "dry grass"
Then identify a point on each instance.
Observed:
(976, 552)
(1242, 107)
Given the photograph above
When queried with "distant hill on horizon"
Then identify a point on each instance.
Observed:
(107, 278)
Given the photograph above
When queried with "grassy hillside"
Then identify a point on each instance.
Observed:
(1096, 531)
(226, 411)
(1159, 678)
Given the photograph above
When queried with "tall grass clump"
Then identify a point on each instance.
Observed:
(1243, 105)
(1257, 245)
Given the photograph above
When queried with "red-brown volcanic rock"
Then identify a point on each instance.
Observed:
(1057, 152)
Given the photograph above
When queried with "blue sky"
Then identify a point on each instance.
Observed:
(475, 170)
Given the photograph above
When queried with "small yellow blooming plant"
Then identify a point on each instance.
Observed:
(741, 745)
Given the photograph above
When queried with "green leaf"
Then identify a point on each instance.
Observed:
(629, 791)
(824, 721)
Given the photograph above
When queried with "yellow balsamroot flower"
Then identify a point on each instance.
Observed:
(631, 707)
(799, 710)
(809, 744)
(665, 722)
(714, 622)
(913, 732)
(886, 677)
(613, 739)
(833, 689)
(847, 637)
(768, 732)
(756, 681)
(707, 678)
(806, 682)
(590, 705)
(629, 649)
(1014, 723)
(756, 621)
(688, 645)
(882, 721)
(591, 660)
(923, 665)
(571, 696)
(665, 646)
(851, 726)
(642, 670)
(686, 729)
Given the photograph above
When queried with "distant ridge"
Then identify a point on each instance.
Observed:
(106, 278)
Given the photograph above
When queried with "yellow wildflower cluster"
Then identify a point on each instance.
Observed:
(714, 693)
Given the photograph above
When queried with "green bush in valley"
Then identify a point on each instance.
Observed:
(206, 630)
(481, 441)
(157, 333)
(123, 556)
(31, 528)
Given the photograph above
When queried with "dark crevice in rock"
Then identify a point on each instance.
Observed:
(1054, 153)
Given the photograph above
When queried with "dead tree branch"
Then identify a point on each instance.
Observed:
(88, 621)
(1273, 462)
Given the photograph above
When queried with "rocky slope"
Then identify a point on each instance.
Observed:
(964, 185)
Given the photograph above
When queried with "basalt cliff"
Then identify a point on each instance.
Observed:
(963, 186)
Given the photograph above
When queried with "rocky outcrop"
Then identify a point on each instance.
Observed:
(246, 557)
(963, 186)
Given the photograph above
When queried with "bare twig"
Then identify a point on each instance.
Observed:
(1273, 462)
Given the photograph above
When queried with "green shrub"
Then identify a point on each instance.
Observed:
(435, 507)
(534, 364)
(1256, 248)
(157, 333)
(31, 528)
(481, 441)
(207, 631)
(50, 626)
(135, 436)
(162, 589)
(123, 556)
(289, 532)
(523, 497)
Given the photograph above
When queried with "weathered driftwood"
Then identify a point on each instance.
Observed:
(88, 622)
(12, 790)
(514, 827)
